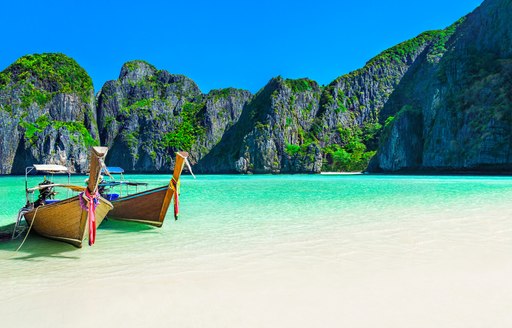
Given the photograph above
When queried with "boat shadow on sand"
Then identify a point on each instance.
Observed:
(117, 226)
(37, 247)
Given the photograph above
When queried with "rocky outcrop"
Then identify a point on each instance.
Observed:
(463, 109)
(47, 113)
(146, 115)
(399, 152)
(275, 118)
(282, 124)
(222, 110)
(138, 112)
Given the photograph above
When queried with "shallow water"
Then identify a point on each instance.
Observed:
(298, 250)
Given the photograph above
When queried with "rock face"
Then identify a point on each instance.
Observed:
(146, 115)
(277, 116)
(47, 113)
(456, 111)
(138, 112)
(222, 110)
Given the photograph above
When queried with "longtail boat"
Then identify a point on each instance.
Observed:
(72, 219)
(149, 206)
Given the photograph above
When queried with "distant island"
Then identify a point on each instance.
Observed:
(440, 102)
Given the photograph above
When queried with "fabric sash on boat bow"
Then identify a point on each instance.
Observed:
(92, 201)
(175, 186)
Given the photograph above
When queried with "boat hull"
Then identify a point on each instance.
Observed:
(149, 207)
(65, 220)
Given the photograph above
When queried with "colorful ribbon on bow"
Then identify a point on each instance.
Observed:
(175, 187)
(92, 203)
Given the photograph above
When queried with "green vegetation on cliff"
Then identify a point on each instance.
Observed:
(300, 85)
(357, 146)
(41, 76)
(77, 130)
(437, 38)
(188, 130)
(49, 99)
(134, 64)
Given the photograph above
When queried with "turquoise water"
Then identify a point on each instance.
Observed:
(268, 204)
(234, 229)
(227, 209)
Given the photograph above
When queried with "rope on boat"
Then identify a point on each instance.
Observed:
(25, 238)
(15, 233)
(28, 231)
(105, 169)
(189, 167)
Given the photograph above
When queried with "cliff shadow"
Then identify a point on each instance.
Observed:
(22, 158)
(221, 157)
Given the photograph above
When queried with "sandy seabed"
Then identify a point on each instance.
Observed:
(432, 274)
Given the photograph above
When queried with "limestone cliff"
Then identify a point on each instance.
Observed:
(147, 114)
(455, 113)
(274, 118)
(47, 113)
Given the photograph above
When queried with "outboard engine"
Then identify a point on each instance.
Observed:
(45, 193)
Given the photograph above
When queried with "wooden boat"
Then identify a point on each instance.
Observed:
(149, 206)
(69, 220)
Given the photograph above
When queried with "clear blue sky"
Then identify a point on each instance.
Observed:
(220, 44)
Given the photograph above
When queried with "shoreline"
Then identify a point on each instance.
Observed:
(342, 173)
(419, 172)
(401, 173)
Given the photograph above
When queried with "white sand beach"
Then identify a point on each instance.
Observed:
(415, 263)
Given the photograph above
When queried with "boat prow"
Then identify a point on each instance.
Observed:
(72, 219)
(150, 206)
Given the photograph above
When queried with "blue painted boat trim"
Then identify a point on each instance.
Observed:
(152, 191)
